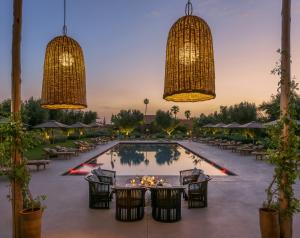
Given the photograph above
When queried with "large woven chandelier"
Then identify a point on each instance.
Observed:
(190, 71)
(64, 73)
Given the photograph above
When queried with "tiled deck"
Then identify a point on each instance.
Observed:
(232, 210)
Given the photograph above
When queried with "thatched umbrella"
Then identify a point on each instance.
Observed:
(253, 125)
(219, 125)
(233, 125)
(230, 127)
(94, 125)
(79, 126)
(51, 125)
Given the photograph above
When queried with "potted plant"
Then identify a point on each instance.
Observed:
(31, 214)
(284, 155)
(269, 215)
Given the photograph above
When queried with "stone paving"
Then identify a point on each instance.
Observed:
(232, 211)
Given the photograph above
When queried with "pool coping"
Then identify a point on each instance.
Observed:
(223, 169)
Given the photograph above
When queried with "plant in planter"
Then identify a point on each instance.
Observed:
(284, 155)
(14, 135)
(268, 213)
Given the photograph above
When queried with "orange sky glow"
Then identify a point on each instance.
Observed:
(125, 56)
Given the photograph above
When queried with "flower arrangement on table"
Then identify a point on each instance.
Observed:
(147, 181)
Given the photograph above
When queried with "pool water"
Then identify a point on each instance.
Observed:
(149, 159)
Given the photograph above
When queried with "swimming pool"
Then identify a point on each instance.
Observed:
(149, 159)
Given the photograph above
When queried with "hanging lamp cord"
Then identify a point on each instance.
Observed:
(65, 26)
(189, 8)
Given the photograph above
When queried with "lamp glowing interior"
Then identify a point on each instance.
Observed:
(66, 59)
(189, 97)
(188, 54)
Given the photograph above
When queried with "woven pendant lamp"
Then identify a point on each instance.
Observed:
(190, 71)
(64, 84)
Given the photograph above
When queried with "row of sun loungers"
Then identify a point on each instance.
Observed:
(100, 141)
(236, 146)
(61, 152)
(52, 152)
(84, 146)
(80, 146)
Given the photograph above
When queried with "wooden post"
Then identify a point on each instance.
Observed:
(16, 193)
(286, 221)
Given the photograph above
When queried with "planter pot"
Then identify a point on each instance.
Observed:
(269, 223)
(30, 223)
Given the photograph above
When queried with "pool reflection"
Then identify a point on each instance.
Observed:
(149, 159)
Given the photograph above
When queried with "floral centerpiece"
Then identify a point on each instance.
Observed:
(147, 181)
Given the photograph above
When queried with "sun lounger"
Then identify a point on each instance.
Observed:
(54, 153)
(259, 154)
(38, 163)
(65, 149)
(246, 151)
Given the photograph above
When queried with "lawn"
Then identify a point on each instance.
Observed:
(37, 152)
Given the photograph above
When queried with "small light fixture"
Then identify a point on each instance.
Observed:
(64, 85)
(190, 71)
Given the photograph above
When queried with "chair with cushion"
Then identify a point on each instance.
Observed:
(130, 203)
(166, 203)
(189, 175)
(99, 193)
(105, 176)
(196, 193)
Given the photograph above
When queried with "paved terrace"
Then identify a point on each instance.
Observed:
(232, 210)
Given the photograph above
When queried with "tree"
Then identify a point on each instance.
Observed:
(165, 121)
(56, 115)
(90, 117)
(187, 114)
(5, 108)
(175, 110)
(146, 102)
(242, 113)
(33, 113)
(272, 107)
(127, 121)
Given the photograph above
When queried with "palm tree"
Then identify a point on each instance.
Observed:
(187, 114)
(175, 110)
(146, 102)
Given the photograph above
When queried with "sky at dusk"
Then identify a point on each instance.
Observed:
(124, 45)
